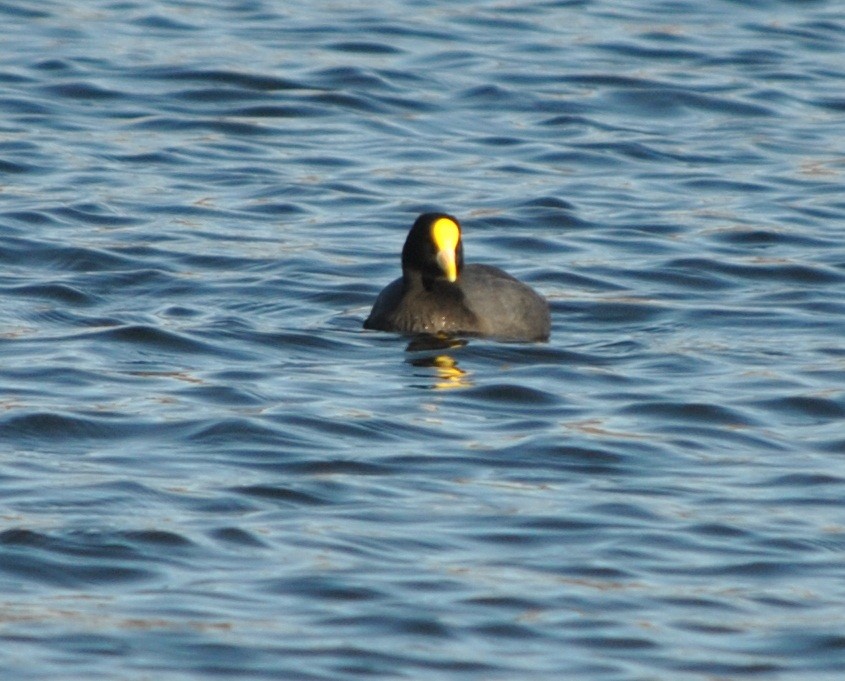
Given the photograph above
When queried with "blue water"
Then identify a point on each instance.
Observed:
(210, 470)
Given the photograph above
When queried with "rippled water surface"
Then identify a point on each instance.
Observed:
(210, 469)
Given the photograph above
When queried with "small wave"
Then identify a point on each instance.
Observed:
(70, 561)
(155, 338)
(59, 293)
(282, 495)
(56, 427)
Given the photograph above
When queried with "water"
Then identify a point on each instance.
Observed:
(209, 468)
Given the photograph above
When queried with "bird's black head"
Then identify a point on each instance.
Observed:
(434, 248)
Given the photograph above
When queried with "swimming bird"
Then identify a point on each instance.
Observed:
(438, 294)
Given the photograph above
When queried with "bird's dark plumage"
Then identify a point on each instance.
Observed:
(437, 293)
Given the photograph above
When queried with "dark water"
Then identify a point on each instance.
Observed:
(210, 470)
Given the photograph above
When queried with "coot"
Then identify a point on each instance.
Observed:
(438, 294)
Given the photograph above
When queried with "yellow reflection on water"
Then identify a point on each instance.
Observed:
(447, 372)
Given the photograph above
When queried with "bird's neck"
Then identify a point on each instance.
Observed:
(414, 280)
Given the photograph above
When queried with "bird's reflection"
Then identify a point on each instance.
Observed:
(448, 374)
(433, 342)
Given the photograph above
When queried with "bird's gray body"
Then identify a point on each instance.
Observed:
(484, 301)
